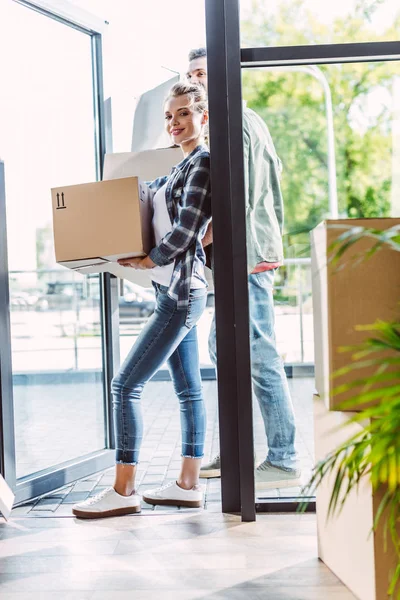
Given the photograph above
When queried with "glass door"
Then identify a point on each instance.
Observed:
(332, 110)
(49, 136)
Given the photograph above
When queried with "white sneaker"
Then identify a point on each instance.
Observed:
(107, 503)
(173, 495)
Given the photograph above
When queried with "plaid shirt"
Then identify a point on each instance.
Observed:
(188, 197)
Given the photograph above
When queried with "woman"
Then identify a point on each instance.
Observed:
(182, 210)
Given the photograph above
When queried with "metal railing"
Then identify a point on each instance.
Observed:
(57, 304)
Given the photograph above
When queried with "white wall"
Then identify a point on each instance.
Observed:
(141, 39)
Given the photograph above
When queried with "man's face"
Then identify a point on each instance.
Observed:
(197, 71)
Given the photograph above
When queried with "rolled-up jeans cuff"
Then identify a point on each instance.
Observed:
(127, 457)
(192, 451)
(191, 456)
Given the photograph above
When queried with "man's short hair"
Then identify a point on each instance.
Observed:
(197, 53)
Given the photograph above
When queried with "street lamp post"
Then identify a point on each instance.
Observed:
(332, 188)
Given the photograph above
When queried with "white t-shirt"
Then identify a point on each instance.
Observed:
(162, 226)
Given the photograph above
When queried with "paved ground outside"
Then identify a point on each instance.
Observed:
(160, 456)
(64, 339)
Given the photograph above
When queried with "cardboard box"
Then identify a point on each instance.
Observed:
(6, 498)
(148, 165)
(95, 224)
(99, 224)
(345, 542)
(352, 292)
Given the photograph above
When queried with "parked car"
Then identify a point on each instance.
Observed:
(61, 295)
(135, 302)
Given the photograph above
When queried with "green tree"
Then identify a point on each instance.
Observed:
(292, 104)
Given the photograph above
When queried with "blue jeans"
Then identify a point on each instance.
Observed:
(169, 335)
(269, 378)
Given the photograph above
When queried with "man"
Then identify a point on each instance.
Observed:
(264, 223)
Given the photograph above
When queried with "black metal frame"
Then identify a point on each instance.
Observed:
(225, 60)
(284, 505)
(320, 54)
(230, 259)
(59, 475)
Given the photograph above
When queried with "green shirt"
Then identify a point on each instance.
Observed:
(264, 203)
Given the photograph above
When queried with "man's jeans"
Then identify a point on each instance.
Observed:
(169, 335)
(269, 378)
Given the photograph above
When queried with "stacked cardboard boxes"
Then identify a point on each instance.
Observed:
(347, 294)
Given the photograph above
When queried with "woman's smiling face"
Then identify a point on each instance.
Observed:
(183, 122)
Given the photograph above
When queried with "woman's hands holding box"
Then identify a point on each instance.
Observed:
(137, 263)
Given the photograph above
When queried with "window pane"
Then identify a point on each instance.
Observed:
(336, 131)
(136, 304)
(47, 140)
(304, 22)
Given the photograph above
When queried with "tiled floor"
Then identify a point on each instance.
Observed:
(191, 555)
(165, 553)
(160, 456)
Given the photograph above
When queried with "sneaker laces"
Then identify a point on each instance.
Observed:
(264, 466)
(165, 487)
(98, 496)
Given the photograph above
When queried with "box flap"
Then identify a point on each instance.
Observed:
(148, 165)
(85, 262)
